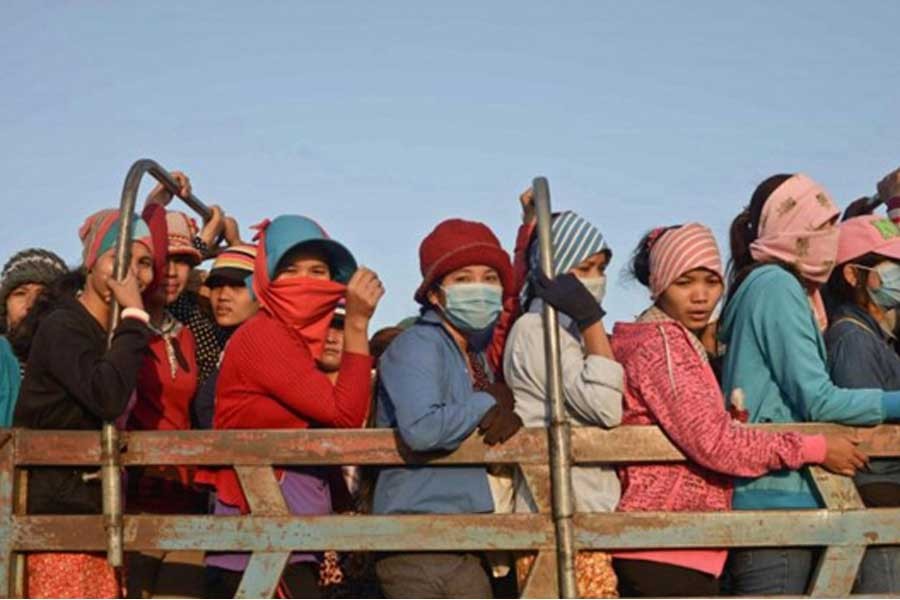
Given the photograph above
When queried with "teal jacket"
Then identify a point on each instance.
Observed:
(776, 355)
(10, 379)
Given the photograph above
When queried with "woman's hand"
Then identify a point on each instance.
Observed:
(526, 199)
(363, 293)
(127, 293)
(842, 456)
(213, 228)
(889, 187)
(161, 194)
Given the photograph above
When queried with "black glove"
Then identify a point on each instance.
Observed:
(568, 295)
(499, 424)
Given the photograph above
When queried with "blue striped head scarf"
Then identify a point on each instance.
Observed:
(574, 240)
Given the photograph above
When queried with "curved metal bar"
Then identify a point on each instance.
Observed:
(560, 434)
(111, 463)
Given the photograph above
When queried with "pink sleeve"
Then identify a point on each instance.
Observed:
(688, 405)
(511, 307)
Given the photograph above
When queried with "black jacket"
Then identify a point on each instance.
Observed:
(73, 382)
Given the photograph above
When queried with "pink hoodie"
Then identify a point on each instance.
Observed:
(669, 383)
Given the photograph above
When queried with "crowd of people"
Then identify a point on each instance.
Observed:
(275, 334)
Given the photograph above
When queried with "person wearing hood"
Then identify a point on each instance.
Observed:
(25, 276)
(437, 387)
(784, 247)
(670, 384)
(300, 276)
(592, 379)
(866, 289)
(74, 382)
(232, 304)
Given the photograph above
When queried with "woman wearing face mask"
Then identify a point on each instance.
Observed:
(784, 247)
(269, 378)
(592, 380)
(670, 383)
(866, 288)
(436, 387)
(74, 382)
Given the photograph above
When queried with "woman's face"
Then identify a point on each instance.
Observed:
(178, 271)
(305, 263)
(592, 267)
(19, 301)
(141, 269)
(232, 304)
(692, 298)
(469, 274)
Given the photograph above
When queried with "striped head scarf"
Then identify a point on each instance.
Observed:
(679, 250)
(574, 240)
(233, 265)
(181, 231)
(100, 230)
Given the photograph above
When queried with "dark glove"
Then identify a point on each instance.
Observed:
(568, 295)
(499, 424)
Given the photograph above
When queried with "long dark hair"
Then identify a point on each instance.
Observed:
(838, 291)
(745, 230)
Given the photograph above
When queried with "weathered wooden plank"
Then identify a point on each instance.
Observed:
(20, 574)
(537, 477)
(600, 531)
(7, 502)
(274, 534)
(836, 571)
(541, 581)
(263, 573)
(262, 490)
(613, 531)
(332, 447)
(838, 492)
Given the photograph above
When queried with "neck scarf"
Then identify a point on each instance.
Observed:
(304, 304)
(789, 232)
(654, 314)
(678, 251)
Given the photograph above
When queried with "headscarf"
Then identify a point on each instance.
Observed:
(680, 250)
(101, 230)
(574, 239)
(181, 231)
(304, 304)
(789, 232)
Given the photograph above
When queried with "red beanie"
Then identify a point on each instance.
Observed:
(455, 244)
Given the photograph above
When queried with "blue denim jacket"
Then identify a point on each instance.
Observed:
(425, 393)
(860, 356)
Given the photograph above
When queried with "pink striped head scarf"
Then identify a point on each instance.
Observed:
(790, 229)
(679, 250)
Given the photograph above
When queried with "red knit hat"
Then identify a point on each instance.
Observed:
(455, 244)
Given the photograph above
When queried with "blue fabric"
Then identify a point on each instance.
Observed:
(769, 572)
(425, 393)
(289, 231)
(879, 572)
(10, 379)
(776, 355)
(890, 403)
(139, 229)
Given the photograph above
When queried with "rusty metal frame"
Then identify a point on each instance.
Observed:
(844, 527)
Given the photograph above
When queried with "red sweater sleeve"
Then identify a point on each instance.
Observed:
(683, 396)
(280, 364)
(511, 307)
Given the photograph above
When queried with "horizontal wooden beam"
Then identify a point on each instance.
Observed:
(380, 447)
(602, 531)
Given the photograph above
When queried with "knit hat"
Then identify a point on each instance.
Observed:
(28, 266)
(101, 230)
(679, 250)
(868, 234)
(455, 244)
(181, 233)
(232, 267)
(289, 232)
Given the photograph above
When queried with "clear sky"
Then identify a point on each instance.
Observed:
(380, 119)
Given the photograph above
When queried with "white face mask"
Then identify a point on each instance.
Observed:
(596, 286)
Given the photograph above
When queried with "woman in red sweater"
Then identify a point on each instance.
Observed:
(670, 383)
(269, 377)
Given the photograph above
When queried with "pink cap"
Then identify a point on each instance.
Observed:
(866, 235)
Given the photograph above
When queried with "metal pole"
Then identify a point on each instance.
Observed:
(111, 463)
(560, 434)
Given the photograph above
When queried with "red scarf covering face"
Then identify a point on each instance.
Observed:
(304, 304)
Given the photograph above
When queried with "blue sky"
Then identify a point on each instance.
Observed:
(381, 119)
